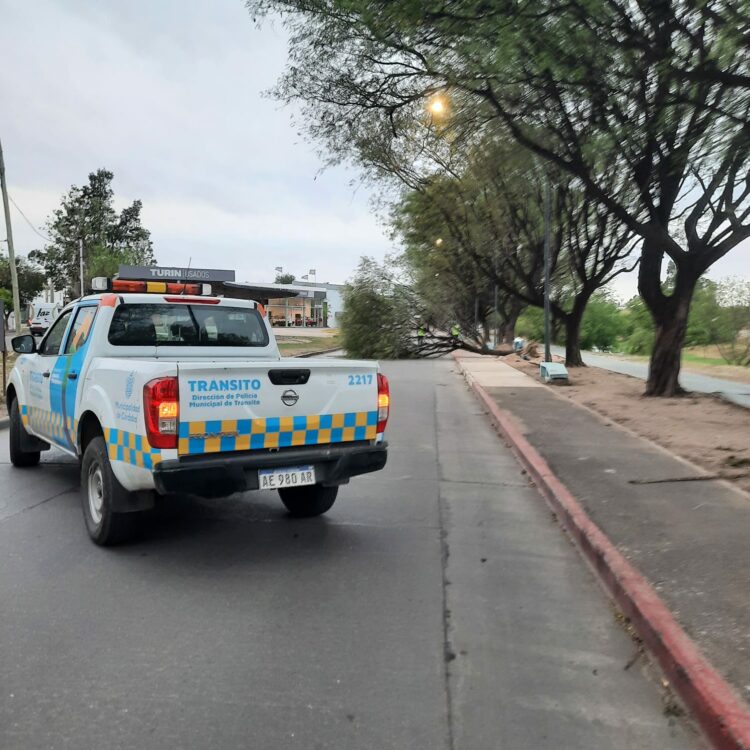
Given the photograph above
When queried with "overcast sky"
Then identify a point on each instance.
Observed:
(167, 95)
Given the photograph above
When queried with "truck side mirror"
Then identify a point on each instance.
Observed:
(23, 344)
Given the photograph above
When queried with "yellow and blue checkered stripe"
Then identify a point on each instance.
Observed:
(131, 448)
(223, 435)
(48, 423)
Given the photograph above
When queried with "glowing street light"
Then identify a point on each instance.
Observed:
(438, 242)
(438, 105)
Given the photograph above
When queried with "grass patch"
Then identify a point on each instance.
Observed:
(697, 355)
(700, 360)
(307, 345)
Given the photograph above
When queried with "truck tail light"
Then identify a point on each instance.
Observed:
(384, 402)
(161, 409)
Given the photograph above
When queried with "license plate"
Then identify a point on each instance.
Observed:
(297, 476)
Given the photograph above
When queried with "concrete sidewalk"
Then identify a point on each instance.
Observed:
(688, 538)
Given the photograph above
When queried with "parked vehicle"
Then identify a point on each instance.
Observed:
(157, 388)
(41, 317)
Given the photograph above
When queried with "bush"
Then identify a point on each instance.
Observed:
(602, 323)
(637, 328)
(641, 341)
(530, 324)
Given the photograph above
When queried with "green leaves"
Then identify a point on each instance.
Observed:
(109, 238)
(30, 282)
(380, 314)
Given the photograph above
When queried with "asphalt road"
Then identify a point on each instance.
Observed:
(739, 393)
(437, 606)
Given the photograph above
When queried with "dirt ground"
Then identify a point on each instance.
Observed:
(727, 372)
(700, 428)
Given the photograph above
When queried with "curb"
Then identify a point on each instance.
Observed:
(723, 717)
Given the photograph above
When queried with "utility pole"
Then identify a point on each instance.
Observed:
(11, 250)
(80, 261)
(496, 321)
(547, 200)
(80, 250)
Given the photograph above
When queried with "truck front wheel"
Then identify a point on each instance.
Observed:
(305, 502)
(100, 492)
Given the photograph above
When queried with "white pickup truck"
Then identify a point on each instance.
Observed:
(159, 389)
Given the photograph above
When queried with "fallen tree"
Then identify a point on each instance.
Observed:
(385, 318)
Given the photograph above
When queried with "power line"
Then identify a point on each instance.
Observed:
(26, 218)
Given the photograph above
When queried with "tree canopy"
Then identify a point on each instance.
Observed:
(31, 281)
(109, 238)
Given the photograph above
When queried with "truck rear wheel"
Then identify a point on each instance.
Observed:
(18, 456)
(100, 492)
(305, 502)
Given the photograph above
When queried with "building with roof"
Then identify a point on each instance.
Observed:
(301, 304)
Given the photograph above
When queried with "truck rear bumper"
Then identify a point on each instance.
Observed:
(221, 475)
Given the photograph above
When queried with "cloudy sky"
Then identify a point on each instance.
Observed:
(167, 95)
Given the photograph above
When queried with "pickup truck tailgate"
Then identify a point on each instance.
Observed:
(227, 406)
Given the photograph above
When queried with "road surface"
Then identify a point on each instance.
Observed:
(739, 393)
(438, 607)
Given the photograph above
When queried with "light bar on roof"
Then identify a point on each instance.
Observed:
(103, 284)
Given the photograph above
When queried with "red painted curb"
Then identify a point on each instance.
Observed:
(723, 717)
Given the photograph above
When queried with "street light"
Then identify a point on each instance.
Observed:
(438, 105)
(549, 370)
(547, 336)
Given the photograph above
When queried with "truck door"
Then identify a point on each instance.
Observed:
(67, 373)
(39, 413)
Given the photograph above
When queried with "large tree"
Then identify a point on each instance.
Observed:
(646, 105)
(87, 213)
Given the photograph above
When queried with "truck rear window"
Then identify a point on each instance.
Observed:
(186, 325)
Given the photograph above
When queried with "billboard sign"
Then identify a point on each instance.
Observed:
(175, 273)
